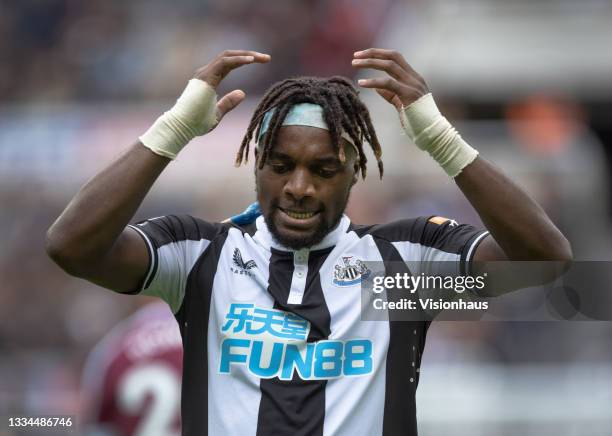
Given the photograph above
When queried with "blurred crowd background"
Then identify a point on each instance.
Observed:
(527, 83)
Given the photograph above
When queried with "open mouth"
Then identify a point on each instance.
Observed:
(299, 219)
(299, 215)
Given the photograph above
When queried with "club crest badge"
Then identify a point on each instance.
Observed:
(350, 272)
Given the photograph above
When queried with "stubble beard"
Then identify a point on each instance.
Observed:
(297, 243)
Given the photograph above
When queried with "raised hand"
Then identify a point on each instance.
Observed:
(216, 70)
(401, 86)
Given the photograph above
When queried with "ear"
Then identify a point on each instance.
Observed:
(355, 173)
(256, 163)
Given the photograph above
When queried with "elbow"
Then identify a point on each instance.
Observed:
(557, 259)
(561, 251)
(567, 255)
(553, 248)
(563, 256)
(546, 264)
(62, 252)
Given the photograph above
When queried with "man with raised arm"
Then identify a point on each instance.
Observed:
(269, 310)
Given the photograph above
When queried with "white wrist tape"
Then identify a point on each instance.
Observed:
(194, 114)
(431, 132)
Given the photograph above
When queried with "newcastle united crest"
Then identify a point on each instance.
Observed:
(350, 272)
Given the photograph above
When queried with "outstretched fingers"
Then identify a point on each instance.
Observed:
(258, 56)
(216, 70)
(381, 53)
(402, 86)
(389, 66)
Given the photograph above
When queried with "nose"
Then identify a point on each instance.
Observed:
(299, 185)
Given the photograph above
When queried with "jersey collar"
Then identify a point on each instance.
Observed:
(264, 237)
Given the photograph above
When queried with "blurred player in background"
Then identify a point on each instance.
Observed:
(269, 311)
(132, 379)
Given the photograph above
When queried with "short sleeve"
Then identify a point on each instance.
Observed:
(175, 243)
(435, 245)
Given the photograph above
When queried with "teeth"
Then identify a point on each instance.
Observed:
(300, 215)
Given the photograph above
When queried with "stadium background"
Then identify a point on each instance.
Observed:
(527, 83)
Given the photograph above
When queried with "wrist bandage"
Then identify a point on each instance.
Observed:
(431, 132)
(194, 114)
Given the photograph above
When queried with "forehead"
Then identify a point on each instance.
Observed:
(305, 142)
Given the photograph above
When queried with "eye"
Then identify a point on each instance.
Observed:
(279, 168)
(327, 173)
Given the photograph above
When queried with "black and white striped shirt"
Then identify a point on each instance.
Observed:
(273, 339)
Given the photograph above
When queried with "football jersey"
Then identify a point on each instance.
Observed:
(273, 338)
(132, 378)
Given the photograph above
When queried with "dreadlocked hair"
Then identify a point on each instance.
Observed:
(342, 110)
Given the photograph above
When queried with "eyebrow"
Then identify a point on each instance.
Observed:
(331, 160)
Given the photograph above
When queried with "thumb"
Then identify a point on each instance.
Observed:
(229, 102)
(390, 97)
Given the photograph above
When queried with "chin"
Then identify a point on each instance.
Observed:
(295, 243)
(296, 239)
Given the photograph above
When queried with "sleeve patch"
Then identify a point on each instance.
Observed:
(439, 220)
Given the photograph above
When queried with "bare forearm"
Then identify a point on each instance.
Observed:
(96, 216)
(90, 239)
(520, 228)
(518, 224)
